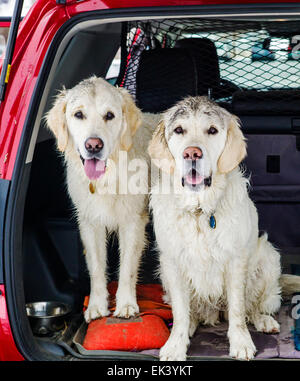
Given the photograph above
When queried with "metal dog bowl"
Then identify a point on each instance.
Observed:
(47, 317)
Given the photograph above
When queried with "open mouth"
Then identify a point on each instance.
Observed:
(94, 168)
(195, 180)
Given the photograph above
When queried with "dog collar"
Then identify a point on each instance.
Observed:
(212, 219)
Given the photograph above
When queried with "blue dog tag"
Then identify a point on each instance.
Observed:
(212, 222)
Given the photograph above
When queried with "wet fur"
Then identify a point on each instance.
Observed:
(97, 213)
(204, 270)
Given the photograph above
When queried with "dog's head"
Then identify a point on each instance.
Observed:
(96, 119)
(199, 139)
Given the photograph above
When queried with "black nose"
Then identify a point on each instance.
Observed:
(94, 145)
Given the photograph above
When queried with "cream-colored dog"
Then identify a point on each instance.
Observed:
(211, 256)
(95, 124)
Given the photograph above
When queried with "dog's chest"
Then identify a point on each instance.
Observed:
(201, 255)
(111, 210)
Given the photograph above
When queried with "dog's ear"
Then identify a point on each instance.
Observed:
(235, 147)
(131, 120)
(159, 151)
(56, 120)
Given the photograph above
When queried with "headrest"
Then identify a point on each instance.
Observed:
(274, 102)
(207, 62)
(164, 77)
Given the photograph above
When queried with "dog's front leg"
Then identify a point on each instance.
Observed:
(94, 240)
(131, 242)
(241, 344)
(175, 348)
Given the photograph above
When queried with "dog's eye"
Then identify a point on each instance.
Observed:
(79, 115)
(178, 130)
(109, 116)
(212, 130)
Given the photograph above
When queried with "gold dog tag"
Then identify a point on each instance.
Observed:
(92, 188)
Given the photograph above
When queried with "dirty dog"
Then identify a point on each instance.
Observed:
(94, 123)
(211, 256)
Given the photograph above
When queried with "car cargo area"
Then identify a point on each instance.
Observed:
(249, 67)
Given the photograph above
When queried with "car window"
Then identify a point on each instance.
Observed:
(4, 28)
(7, 7)
(6, 11)
(256, 60)
(114, 68)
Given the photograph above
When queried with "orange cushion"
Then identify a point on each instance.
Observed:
(134, 334)
(149, 300)
(147, 330)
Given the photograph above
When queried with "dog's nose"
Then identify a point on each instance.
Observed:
(192, 153)
(93, 145)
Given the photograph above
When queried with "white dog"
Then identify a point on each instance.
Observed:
(94, 123)
(211, 257)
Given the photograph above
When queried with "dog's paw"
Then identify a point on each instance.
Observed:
(243, 352)
(170, 352)
(266, 324)
(126, 310)
(242, 347)
(95, 311)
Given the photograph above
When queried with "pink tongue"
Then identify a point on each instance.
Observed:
(194, 180)
(94, 169)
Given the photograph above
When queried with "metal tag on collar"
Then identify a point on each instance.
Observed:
(92, 187)
(212, 222)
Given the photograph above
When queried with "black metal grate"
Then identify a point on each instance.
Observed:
(252, 55)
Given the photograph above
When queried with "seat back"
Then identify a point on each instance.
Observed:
(206, 61)
(164, 77)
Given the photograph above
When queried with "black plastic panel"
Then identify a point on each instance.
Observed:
(4, 188)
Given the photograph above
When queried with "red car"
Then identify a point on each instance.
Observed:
(62, 42)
